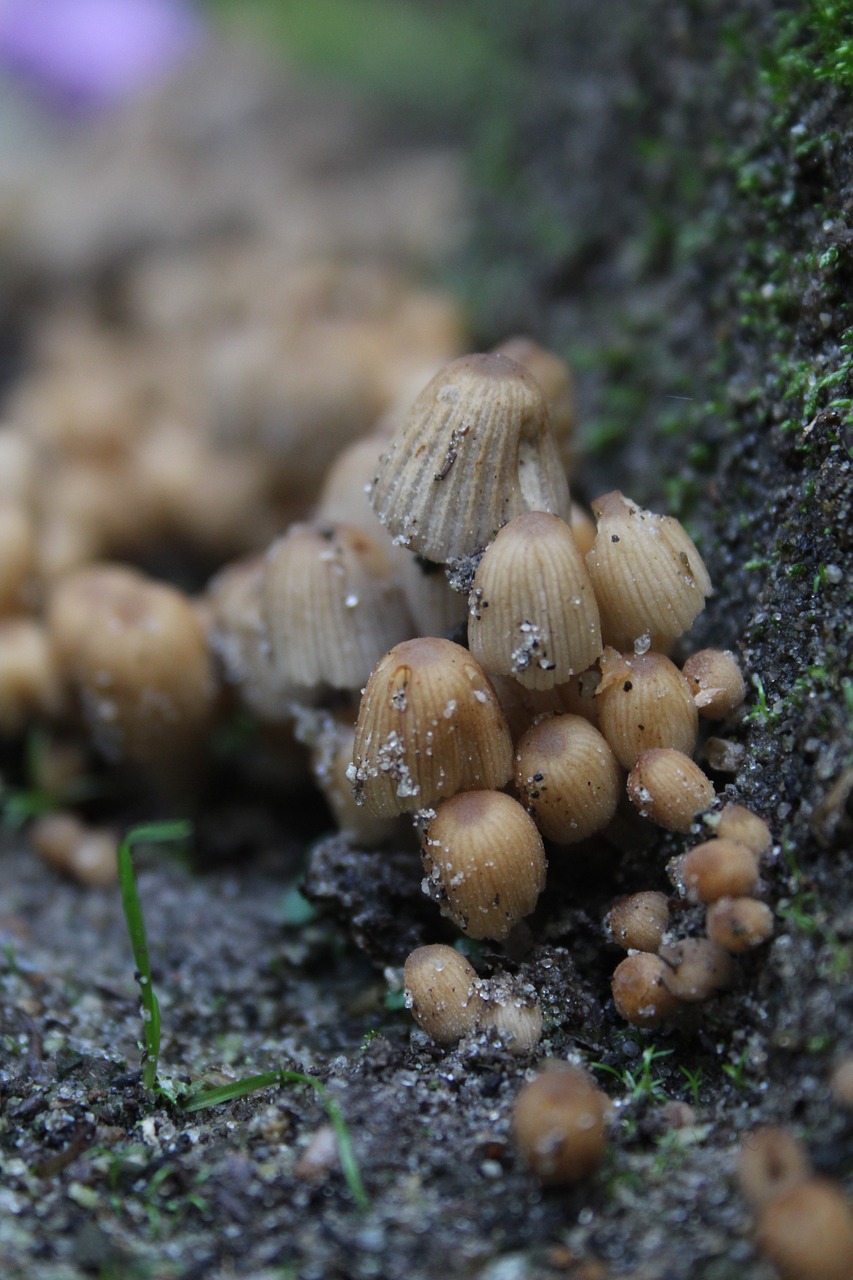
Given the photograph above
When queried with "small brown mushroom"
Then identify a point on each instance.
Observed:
(429, 725)
(559, 1122)
(442, 992)
(484, 862)
(644, 702)
(567, 778)
(649, 579)
(666, 787)
(532, 612)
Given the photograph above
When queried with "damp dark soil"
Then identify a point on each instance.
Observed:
(669, 201)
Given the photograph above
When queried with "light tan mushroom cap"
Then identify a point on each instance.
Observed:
(429, 725)
(649, 579)
(532, 612)
(476, 450)
(331, 605)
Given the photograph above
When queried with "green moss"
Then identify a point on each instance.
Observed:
(815, 43)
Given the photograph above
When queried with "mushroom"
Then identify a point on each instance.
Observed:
(429, 725)
(475, 450)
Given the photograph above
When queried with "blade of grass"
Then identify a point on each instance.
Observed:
(154, 833)
(240, 1088)
(163, 833)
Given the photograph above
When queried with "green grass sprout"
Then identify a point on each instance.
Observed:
(197, 1100)
(153, 833)
(250, 1084)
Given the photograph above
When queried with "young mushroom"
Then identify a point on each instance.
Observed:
(133, 654)
(567, 778)
(716, 682)
(649, 579)
(331, 605)
(484, 862)
(643, 702)
(559, 1122)
(532, 612)
(716, 869)
(638, 921)
(442, 992)
(639, 990)
(666, 787)
(429, 725)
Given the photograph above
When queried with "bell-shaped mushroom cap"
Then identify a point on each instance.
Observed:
(133, 653)
(331, 605)
(532, 611)
(649, 579)
(475, 450)
(429, 725)
(238, 638)
(484, 862)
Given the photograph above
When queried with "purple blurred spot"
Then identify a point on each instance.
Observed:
(91, 53)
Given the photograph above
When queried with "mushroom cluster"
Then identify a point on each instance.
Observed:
(456, 643)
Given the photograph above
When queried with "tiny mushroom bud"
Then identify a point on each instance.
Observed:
(695, 968)
(715, 681)
(567, 778)
(738, 823)
(716, 869)
(476, 449)
(807, 1232)
(429, 725)
(669, 789)
(331, 605)
(639, 991)
(511, 1010)
(484, 862)
(644, 702)
(443, 992)
(532, 612)
(638, 921)
(738, 924)
(648, 577)
(560, 1123)
(87, 854)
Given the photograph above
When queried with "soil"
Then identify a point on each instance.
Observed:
(676, 213)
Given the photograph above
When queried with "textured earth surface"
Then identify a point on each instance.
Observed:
(669, 201)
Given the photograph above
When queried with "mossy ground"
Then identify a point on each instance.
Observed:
(668, 200)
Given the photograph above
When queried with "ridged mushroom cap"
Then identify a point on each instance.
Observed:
(429, 725)
(644, 701)
(476, 450)
(567, 778)
(238, 637)
(331, 605)
(484, 862)
(649, 579)
(532, 611)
